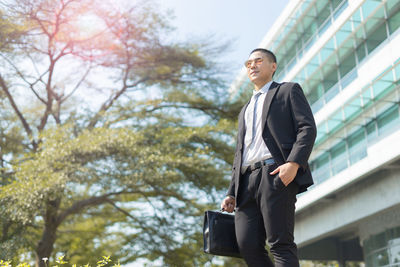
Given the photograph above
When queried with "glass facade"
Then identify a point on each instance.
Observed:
(353, 147)
(358, 123)
(383, 249)
(335, 65)
(308, 24)
(344, 137)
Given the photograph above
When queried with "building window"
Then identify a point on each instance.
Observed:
(354, 147)
(302, 34)
(339, 158)
(383, 249)
(372, 131)
(320, 168)
(357, 146)
(368, 27)
(376, 37)
(347, 64)
(393, 8)
(387, 119)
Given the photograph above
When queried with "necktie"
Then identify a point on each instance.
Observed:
(251, 131)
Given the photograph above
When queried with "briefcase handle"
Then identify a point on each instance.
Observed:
(223, 210)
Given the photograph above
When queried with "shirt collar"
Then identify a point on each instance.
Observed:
(264, 89)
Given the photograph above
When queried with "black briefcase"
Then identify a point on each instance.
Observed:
(219, 234)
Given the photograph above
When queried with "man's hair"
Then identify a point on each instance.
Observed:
(268, 53)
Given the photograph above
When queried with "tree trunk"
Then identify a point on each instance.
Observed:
(46, 244)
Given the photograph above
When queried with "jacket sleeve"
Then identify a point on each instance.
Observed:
(238, 155)
(304, 123)
(231, 189)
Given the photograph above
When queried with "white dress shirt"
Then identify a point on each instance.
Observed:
(257, 150)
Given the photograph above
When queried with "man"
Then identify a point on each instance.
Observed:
(275, 138)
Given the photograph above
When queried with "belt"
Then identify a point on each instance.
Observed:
(259, 164)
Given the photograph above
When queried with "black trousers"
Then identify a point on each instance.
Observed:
(265, 212)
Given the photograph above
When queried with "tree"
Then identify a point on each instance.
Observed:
(106, 156)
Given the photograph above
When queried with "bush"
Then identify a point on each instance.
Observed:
(60, 261)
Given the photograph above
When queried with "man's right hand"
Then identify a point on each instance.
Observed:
(228, 204)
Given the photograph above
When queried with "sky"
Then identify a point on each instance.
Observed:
(244, 22)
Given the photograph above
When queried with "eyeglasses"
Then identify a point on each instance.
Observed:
(250, 62)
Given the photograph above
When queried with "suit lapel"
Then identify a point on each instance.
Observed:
(267, 102)
(241, 124)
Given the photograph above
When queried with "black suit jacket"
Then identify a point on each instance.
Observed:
(289, 132)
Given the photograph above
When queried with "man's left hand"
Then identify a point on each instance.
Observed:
(287, 172)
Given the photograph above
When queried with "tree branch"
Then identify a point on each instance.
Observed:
(62, 99)
(53, 60)
(22, 76)
(120, 209)
(93, 201)
(16, 110)
(110, 101)
(49, 103)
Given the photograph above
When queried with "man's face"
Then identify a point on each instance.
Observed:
(260, 68)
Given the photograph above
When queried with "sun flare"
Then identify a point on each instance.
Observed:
(87, 25)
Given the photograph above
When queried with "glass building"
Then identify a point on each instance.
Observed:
(346, 56)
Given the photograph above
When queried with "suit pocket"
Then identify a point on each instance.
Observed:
(278, 184)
